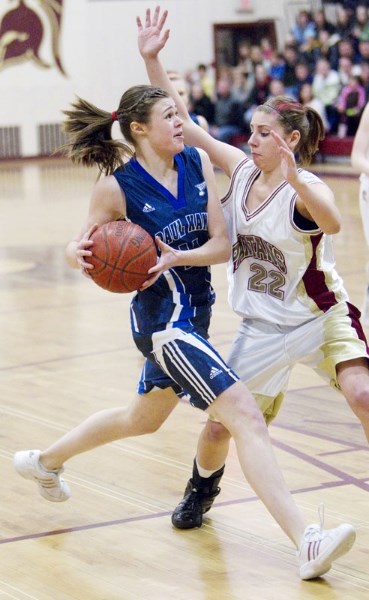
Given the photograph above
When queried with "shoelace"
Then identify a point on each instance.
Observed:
(314, 532)
(192, 501)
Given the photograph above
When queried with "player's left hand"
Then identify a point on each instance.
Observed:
(288, 162)
(151, 37)
(167, 259)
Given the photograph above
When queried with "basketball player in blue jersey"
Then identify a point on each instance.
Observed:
(169, 189)
(282, 277)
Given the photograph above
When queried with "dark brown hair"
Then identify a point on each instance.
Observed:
(292, 115)
(89, 128)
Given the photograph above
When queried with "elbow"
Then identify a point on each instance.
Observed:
(333, 227)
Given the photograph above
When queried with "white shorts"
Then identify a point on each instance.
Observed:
(263, 354)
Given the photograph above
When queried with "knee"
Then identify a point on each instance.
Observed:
(149, 427)
(246, 414)
(359, 402)
(216, 433)
(138, 424)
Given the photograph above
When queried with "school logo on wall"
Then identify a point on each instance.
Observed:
(23, 30)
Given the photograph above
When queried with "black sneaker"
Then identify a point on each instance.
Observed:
(188, 513)
(198, 498)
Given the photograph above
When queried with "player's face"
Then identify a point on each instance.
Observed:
(264, 150)
(165, 127)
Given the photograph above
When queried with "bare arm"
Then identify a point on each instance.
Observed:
(215, 250)
(151, 40)
(315, 202)
(107, 204)
(360, 148)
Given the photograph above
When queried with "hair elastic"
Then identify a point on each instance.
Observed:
(114, 116)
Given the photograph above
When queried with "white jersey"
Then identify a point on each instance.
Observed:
(282, 267)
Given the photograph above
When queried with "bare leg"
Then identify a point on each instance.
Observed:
(239, 413)
(212, 446)
(353, 378)
(144, 415)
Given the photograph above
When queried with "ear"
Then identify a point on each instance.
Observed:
(294, 138)
(137, 128)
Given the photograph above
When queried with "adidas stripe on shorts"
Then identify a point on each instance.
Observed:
(189, 364)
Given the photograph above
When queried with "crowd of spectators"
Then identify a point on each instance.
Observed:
(324, 63)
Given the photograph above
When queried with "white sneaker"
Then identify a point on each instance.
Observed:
(320, 547)
(51, 486)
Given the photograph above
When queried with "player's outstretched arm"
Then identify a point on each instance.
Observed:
(151, 39)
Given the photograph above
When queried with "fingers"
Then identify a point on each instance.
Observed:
(148, 18)
(155, 21)
(163, 19)
(149, 282)
(90, 231)
(156, 16)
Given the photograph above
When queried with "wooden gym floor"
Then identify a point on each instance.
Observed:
(66, 352)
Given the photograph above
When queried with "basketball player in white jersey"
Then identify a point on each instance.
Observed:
(282, 278)
(360, 161)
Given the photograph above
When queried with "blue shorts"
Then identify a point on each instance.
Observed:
(186, 362)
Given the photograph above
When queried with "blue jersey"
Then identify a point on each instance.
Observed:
(182, 294)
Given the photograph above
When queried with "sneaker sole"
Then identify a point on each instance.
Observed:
(323, 563)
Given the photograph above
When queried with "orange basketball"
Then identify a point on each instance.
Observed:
(122, 254)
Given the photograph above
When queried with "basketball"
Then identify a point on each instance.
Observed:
(122, 254)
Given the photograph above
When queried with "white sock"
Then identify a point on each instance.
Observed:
(204, 472)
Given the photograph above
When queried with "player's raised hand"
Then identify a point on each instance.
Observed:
(288, 161)
(151, 37)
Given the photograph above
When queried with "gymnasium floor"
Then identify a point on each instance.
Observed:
(66, 352)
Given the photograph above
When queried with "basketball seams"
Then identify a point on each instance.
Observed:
(123, 252)
(123, 243)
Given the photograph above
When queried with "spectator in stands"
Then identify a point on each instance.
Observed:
(227, 113)
(326, 86)
(303, 75)
(266, 50)
(346, 47)
(291, 57)
(345, 68)
(326, 46)
(182, 88)
(364, 47)
(256, 56)
(307, 98)
(201, 103)
(364, 78)
(303, 31)
(343, 21)
(206, 80)
(277, 66)
(350, 104)
(259, 94)
(242, 85)
(276, 88)
(322, 23)
(360, 23)
(244, 61)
